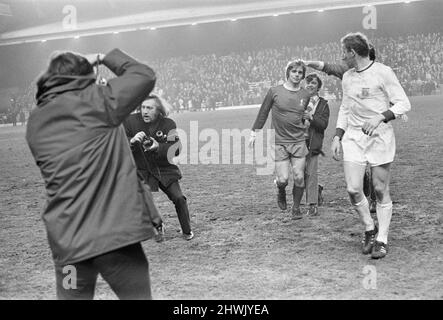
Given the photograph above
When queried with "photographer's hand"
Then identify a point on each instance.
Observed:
(139, 137)
(153, 147)
(94, 58)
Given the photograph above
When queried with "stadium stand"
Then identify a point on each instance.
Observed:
(243, 78)
(201, 82)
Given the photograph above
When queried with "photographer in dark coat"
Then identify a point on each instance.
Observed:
(97, 210)
(154, 142)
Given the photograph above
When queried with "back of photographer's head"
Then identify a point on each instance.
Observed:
(64, 64)
(69, 63)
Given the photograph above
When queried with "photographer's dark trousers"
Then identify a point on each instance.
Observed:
(311, 179)
(126, 270)
(175, 194)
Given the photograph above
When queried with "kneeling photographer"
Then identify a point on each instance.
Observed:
(152, 136)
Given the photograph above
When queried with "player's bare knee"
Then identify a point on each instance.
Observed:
(381, 191)
(281, 182)
(299, 183)
(282, 178)
(298, 173)
(354, 194)
(299, 180)
(378, 185)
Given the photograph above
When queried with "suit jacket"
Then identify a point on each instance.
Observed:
(95, 201)
(155, 166)
(317, 127)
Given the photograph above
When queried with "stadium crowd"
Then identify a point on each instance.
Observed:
(208, 81)
(20, 104)
(244, 78)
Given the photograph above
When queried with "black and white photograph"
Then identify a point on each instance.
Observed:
(237, 152)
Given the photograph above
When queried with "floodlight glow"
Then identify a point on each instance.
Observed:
(76, 37)
(275, 15)
(153, 28)
(233, 19)
(321, 10)
(115, 32)
(44, 40)
(194, 23)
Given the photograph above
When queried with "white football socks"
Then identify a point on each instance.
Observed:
(384, 214)
(363, 210)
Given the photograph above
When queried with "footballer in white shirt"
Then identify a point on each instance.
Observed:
(372, 96)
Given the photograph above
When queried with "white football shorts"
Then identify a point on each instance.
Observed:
(376, 150)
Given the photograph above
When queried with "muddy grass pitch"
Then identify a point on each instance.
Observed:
(245, 247)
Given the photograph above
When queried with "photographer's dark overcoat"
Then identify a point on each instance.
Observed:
(155, 166)
(95, 201)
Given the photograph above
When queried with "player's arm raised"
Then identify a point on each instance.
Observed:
(331, 69)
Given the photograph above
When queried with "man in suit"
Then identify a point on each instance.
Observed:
(317, 117)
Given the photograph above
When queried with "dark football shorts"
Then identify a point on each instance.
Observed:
(287, 151)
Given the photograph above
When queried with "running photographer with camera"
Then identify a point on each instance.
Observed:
(154, 141)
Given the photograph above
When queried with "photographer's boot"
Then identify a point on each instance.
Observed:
(181, 207)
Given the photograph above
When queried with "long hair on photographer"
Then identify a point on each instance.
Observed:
(163, 107)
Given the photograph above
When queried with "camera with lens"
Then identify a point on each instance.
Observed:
(147, 143)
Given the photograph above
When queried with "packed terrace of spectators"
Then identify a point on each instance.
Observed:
(208, 81)
(244, 78)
